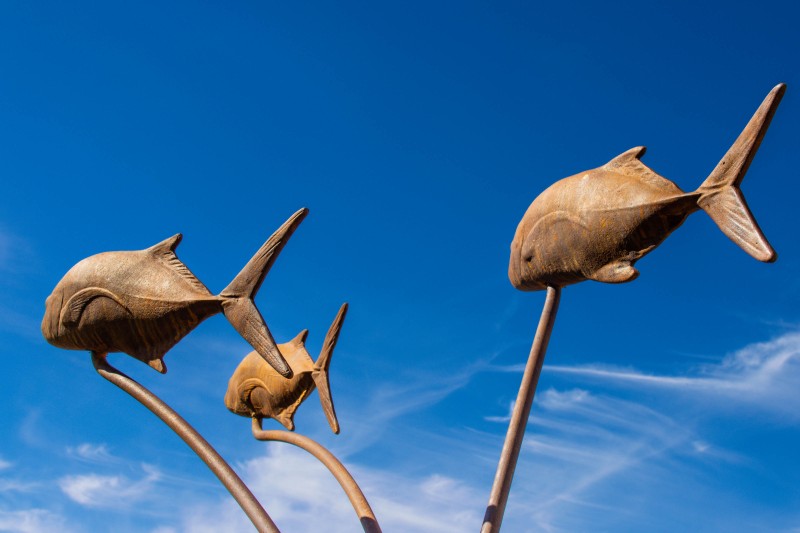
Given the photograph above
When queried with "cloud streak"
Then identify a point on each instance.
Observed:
(109, 492)
(763, 375)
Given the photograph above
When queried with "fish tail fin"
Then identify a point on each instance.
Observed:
(720, 195)
(320, 372)
(238, 305)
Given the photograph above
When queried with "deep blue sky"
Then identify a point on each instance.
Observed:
(417, 134)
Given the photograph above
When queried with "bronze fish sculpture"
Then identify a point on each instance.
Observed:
(597, 224)
(143, 302)
(256, 390)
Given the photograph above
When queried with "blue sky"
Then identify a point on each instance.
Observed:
(417, 134)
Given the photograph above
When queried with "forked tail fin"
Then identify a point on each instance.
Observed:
(320, 372)
(720, 195)
(238, 306)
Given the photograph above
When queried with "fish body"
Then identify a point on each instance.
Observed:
(598, 223)
(143, 302)
(137, 302)
(255, 390)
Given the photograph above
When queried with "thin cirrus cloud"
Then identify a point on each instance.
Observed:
(110, 492)
(93, 453)
(763, 375)
(590, 451)
(34, 521)
(593, 452)
(311, 500)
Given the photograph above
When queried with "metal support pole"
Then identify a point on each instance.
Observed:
(351, 488)
(196, 442)
(519, 417)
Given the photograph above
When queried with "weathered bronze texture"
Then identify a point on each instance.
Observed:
(257, 390)
(351, 488)
(196, 442)
(519, 416)
(597, 224)
(143, 302)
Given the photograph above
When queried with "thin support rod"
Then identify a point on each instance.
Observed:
(351, 488)
(519, 417)
(250, 505)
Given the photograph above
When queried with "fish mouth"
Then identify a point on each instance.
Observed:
(52, 313)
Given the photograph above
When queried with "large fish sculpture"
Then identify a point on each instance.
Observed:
(143, 302)
(255, 390)
(597, 224)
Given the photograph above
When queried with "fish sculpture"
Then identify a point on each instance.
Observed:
(597, 224)
(143, 302)
(255, 390)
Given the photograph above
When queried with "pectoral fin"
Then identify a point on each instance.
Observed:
(158, 365)
(73, 309)
(259, 401)
(616, 272)
(285, 420)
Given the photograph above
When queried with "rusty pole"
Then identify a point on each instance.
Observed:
(249, 504)
(351, 488)
(519, 417)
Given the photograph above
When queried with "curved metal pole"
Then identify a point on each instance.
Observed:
(519, 417)
(351, 488)
(250, 505)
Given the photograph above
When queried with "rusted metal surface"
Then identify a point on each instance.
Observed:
(519, 416)
(597, 224)
(196, 442)
(351, 488)
(257, 390)
(143, 302)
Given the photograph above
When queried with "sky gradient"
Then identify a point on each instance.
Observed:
(417, 134)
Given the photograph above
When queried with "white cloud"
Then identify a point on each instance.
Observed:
(588, 452)
(594, 456)
(15, 252)
(33, 521)
(113, 492)
(15, 485)
(301, 495)
(763, 375)
(391, 400)
(92, 453)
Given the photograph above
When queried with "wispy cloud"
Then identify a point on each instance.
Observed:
(391, 400)
(15, 252)
(111, 492)
(93, 454)
(33, 521)
(584, 444)
(764, 375)
(301, 495)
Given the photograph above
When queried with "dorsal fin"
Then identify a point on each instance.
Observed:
(167, 245)
(629, 164)
(300, 338)
(165, 250)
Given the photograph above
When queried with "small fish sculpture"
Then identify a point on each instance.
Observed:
(597, 224)
(255, 390)
(143, 302)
